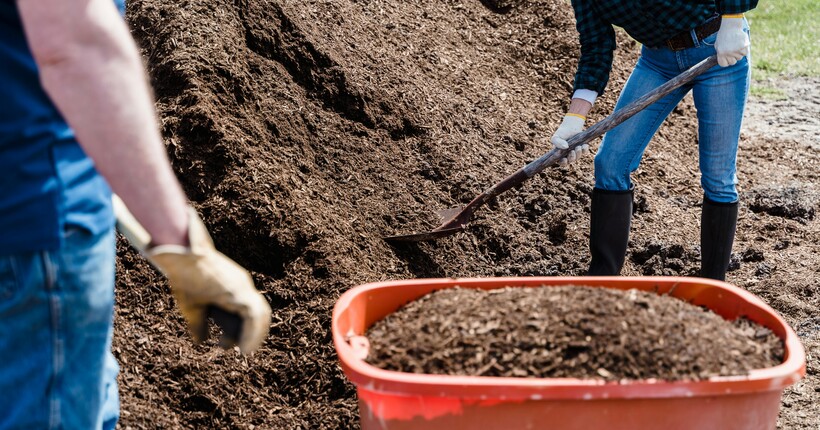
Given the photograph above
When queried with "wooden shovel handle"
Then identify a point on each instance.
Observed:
(620, 116)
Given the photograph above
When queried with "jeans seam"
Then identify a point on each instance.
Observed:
(722, 171)
(679, 59)
(57, 358)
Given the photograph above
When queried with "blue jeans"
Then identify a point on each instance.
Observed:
(720, 97)
(56, 315)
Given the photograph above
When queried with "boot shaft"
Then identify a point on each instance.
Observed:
(717, 234)
(610, 218)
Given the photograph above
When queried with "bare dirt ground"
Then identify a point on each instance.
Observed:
(793, 114)
(789, 131)
(305, 131)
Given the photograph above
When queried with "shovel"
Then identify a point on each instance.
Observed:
(456, 219)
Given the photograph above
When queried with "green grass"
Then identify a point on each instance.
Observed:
(786, 37)
(768, 92)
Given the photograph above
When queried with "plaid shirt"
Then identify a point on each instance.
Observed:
(651, 22)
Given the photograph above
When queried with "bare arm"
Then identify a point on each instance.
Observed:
(91, 69)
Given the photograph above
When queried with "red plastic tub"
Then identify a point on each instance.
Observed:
(398, 400)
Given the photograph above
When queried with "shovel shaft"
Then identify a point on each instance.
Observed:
(620, 116)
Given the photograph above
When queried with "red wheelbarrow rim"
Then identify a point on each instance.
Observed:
(350, 319)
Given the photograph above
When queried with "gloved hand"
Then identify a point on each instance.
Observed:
(202, 278)
(732, 43)
(570, 126)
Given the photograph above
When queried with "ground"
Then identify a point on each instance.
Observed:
(306, 131)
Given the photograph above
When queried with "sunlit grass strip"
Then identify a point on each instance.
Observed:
(786, 37)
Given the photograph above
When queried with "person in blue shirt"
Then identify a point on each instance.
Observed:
(76, 121)
(675, 35)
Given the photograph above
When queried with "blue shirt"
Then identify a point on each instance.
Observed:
(46, 180)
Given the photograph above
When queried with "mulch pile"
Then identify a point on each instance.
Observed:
(305, 131)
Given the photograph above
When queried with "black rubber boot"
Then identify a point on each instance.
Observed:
(717, 233)
(609, 230)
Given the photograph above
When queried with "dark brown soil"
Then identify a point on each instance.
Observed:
(305, 131)
(567, 332)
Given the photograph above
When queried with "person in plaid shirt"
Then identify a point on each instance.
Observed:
(675, 35)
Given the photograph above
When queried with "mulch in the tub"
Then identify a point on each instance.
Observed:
(576, 332)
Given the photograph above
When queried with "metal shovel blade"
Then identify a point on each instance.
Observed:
(450, 226)
(424, 236)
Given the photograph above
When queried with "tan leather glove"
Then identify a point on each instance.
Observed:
(203, 280)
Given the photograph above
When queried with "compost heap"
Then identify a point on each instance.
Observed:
(304, 131)
(568, 332)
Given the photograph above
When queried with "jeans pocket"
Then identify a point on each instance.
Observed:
(8, 277)
(710, 39)
(72, 232)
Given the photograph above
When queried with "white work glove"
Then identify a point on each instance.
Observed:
(205, 283)
(732, 43)
(570, 126)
